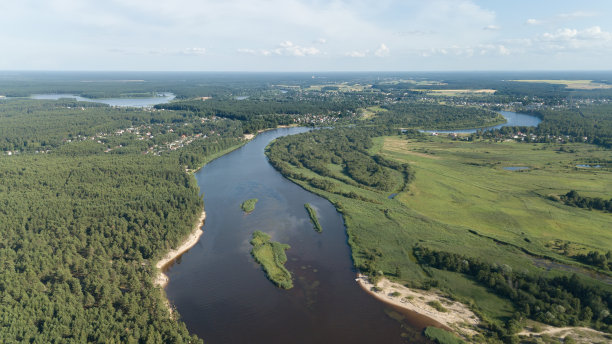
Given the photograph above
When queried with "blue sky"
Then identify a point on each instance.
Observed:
(305, 35)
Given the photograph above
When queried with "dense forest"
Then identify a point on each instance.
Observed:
(559, 301)
(590, 124)
(83, 225)
(325, 151)
(436, 116)
(91, 196)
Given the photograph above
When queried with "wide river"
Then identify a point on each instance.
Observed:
(223, 295)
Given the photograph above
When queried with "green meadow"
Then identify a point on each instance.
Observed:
(465, 184)
(461, 200)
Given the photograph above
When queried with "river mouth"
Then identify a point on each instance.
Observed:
(223, 295)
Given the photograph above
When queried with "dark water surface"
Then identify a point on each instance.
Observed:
(223, 295)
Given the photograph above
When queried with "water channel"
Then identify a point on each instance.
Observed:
(513, 119)
(132, 102)
(223, 295)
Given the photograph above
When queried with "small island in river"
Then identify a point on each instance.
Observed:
(271, 256)
(248, 205)
(313, 217)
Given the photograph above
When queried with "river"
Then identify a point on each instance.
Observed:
(132, 102)
(223, 295)
(513, 119)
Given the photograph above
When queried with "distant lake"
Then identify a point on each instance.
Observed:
(241, 97)
(588, 166)
(133, 102)
(515, 168)
(513, 119)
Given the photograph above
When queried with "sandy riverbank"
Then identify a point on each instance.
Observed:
(162, 279)
(578, 334)
(457, 317)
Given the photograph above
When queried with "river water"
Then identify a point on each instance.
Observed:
(132, 102)
(513, 119)
(223, 295)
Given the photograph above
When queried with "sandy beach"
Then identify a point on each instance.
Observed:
(457, 317)
(162, 279)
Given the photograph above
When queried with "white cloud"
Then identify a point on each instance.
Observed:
(382, 51)
(356, 53)
(492, 28)
(576, 15)
(194, 51)
(532, 21)
(285, 48)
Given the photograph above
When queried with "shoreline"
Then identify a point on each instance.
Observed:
(458, 316)
(161, 280)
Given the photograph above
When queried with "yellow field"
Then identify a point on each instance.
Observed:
(454, 93)
(572, 84)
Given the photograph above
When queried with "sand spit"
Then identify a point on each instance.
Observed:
(162, 279)
(457, 317)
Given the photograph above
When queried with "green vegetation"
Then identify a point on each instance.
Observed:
(248, 205)
(313, 217)
(436, 116)
(271, 256)
(573, 198)
(559, 301)
(86, 214)
(437, 306)
(441, 336)
(456, 198)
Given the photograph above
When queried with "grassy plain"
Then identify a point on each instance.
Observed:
(271, 255)
(572, 84)
(371, 112)
(458, 92)
(465, 184)
(463, 201)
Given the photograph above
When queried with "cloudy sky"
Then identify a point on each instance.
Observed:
(305, 35)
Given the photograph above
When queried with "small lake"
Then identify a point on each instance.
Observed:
(513, 119)
(223, 296)
(588, 166)
(132, 102)
(515, 168)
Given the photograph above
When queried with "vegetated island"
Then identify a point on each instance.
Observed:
(248, 205)
(313, 217)
(271, 256)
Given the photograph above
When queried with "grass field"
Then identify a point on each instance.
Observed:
(464, 184)
(455, 93)
(463, 201)
(572, 84)
(371, 112)
(271, 256)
